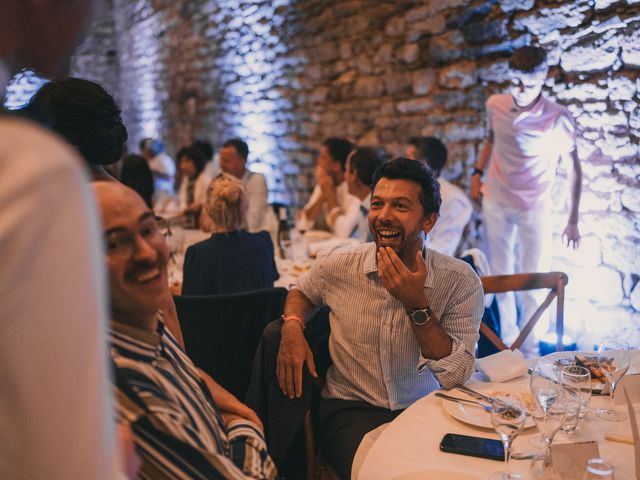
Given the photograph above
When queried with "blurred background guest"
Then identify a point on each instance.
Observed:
(137, 175)
(162, 165)
(232, 260)
(212, 162)
(193, 183)
(87, 116)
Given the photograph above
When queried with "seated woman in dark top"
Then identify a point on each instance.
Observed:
(232, 260)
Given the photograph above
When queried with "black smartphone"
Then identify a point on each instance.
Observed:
(472, 446)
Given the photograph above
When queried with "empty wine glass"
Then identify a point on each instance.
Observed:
(613, 361)
(578, 379)
(545, 385)
(508, 415)
(598, 469)
(548, 423)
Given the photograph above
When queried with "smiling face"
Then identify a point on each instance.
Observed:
(397, 218)
(526, 87)
(136, 254)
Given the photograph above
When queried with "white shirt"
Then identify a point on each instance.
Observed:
(164, 171)
(260, 215)
(363, 233)
(345, 223)
(199, 190)
(56, 411)
(526, 147)
(455, 213)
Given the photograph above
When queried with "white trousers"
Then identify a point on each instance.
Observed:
(531, 231)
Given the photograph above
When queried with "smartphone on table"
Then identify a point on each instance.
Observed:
(472, 446)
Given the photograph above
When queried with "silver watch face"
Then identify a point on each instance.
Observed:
(420, 317)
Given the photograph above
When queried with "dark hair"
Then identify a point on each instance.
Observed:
(339, 149)
(529, 59)
(431, 151)
(205, 147)
(241, 147)
(365, 161)
(195, 155)
(152, 144)
(85, 115)
(137, 175)
(404, 169)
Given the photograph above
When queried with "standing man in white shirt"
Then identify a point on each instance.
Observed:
(456, 209)
(233, 160)
(527, 135)
(362, 163)
(331, 207)
(57, 411)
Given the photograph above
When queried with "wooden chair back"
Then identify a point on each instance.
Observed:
(554, 281)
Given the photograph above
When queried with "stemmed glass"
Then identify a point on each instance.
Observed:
(508, 415)
(545, 385)
(548, 423)
(613, 361)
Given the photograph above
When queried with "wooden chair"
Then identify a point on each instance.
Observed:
(554, 281)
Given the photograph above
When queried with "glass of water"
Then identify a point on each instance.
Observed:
(598, 469)
(578, 380)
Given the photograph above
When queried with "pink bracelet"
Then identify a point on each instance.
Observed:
(293, 317)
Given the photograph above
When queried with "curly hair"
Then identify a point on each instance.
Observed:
(227, 203)
(85, 115)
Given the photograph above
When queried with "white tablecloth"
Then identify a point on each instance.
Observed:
(409, 446)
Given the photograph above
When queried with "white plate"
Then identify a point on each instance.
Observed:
(552, 358)
(475, 415)
(436, 475)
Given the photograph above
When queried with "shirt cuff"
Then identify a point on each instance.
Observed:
(243, 428)
(445, 363)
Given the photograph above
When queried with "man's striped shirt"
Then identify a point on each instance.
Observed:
(177, 428)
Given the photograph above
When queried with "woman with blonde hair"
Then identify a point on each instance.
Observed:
(232, 260)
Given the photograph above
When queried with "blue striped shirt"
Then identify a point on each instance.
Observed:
(376, 356)
(177, 428)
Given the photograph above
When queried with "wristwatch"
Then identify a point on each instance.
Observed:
(421, 316)
(477, 171)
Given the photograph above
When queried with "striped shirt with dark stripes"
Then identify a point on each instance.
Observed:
(177, 428)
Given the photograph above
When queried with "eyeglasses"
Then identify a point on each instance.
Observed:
(122, 243)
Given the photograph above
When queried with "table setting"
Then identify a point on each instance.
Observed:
(553, 415)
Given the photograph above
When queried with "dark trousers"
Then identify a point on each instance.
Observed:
(344, 423)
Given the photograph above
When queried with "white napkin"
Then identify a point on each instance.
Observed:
(502, 366)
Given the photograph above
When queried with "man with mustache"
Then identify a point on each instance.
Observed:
(184, 424)
(404, 319)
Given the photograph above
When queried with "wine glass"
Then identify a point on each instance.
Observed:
(598, 469)
(545, 385)
(548, 423)
(577, 379)
(613, 361)
(508, 415)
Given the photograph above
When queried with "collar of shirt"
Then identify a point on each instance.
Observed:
(142, 345)
(370, 264)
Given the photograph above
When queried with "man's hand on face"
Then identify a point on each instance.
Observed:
(293, 353)
(402, 283)
(571, 235)
(324, 180)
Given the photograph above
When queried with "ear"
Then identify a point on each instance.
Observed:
(428, 222)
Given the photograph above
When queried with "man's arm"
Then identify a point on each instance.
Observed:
(257, 195)
(294, 349)
(571, 232)
(345, 220)
(326, 195)
(481, 164)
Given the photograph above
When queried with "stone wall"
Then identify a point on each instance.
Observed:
(284, 74)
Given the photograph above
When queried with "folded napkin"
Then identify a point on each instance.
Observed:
(502, 366)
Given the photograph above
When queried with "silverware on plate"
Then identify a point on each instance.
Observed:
(487, 408)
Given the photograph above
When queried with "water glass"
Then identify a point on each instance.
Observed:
(508, 415)
(613, 360)
(578, 379)
(598, 469)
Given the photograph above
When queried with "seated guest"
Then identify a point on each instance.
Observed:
(184, 424)
(137, 175)
(193, 182)
(456, 209)
(212, 164)
(330, 206)
(85, 115)
(404, 318)
(162, 165)
(361, 165)
(232, 260)
(233, 161)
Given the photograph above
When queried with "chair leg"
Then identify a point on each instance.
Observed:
(492, 337)
(310, 445)
(526, 330)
